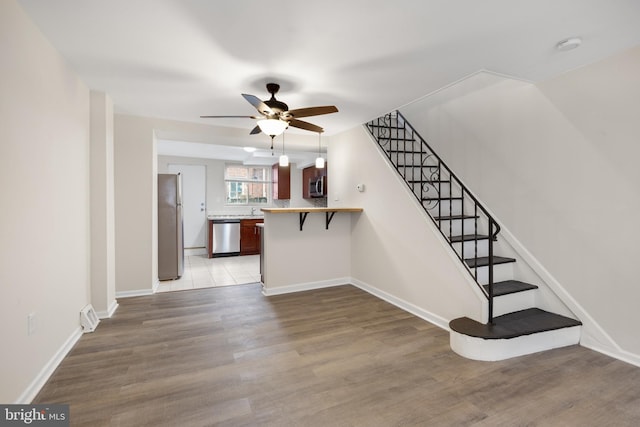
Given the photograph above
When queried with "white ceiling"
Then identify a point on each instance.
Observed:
(179, 59)
(260, 156)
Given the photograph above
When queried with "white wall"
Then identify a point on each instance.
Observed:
(557, 163)
(44, 220)
(396, 252)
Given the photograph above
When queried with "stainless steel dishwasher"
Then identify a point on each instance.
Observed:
(226, 237)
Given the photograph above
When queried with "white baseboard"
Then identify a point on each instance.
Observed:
(156, 285)
(134, 293)
(195, 251)
(43, 376)
(110, 310)
(300, 287)
(402, 304)
(616, 353)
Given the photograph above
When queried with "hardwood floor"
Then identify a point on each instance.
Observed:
(330, 357)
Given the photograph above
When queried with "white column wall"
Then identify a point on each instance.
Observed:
(135, 183)
(103, 284)
(313, 257)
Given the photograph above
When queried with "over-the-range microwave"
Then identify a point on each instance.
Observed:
(317, 187)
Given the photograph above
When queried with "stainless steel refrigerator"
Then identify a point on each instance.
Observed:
(170, 239)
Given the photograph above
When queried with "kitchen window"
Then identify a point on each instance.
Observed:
(247, 185)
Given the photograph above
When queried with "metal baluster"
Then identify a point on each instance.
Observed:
(462, 212)
(475, 231)
(475, 227)
(439, 203)
(490, 271)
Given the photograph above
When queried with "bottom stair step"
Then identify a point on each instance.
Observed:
(524, 322)
(513, 334)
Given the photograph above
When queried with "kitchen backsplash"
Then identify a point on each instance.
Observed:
(320, 202)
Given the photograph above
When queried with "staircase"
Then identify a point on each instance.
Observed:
(514, 326)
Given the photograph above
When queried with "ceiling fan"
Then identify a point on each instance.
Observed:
(276, 117)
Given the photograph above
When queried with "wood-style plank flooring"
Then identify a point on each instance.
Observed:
(330, 357)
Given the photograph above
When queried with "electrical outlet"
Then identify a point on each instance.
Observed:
(31, 324)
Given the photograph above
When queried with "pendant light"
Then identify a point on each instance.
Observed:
(319, 159)
(284, 159)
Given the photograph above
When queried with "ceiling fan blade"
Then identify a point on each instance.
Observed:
(305, 125)
(258, 104)
(255, 130)
(228, 117)
(312, 111)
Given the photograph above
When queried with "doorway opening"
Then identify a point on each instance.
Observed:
(194, 193)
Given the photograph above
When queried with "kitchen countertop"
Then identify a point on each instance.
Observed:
(303, 212)
(212, 217)
(309, 210)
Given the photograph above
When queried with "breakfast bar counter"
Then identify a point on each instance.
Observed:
(318, 256)
(329, 212)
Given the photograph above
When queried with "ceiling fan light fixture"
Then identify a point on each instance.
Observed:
(272, 127)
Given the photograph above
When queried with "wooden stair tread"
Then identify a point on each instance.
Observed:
(440, 198)
(483, 261)
(512, 325)
(454, 217)
(468, 238)
(385, 126)
(429, 181)
(509, 287)
(407, 151)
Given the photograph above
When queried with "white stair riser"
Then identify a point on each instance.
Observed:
(394, 133)
(412, 158)
(491, 350)
(415, 173)
(514, 302)
(456, 226)
(431, 190)
(447, 207)
(500, 272)
(470, 248)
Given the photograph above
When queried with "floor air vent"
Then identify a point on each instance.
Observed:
(88, 319)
